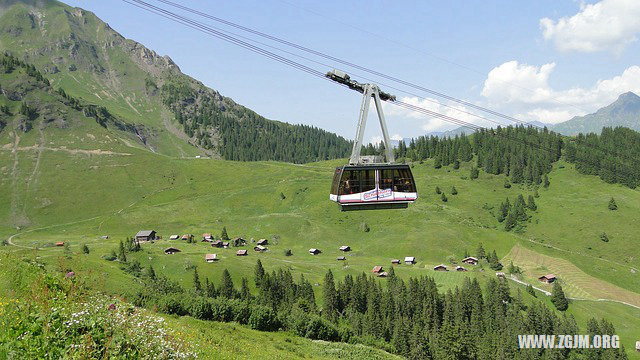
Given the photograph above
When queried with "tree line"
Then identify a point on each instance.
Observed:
(410, 317)
(613, 155)
(238, 133)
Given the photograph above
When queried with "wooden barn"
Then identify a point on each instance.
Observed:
(410, 260)
(210, 257)
(260, 248)
(174, 237)
(171, 251)
(548, 279)
(242, 253)
(263, 242)
(395, 261)
(314, 251)
(146, 235)
(470, 260)
(345, 248)
(460, 268)
(441, 267)
(377, 269)
(341, 258)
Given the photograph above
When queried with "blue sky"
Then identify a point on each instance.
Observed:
(535, 60)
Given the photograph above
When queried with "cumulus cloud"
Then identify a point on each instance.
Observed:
(428, 123)
(608, 25)
(524, 90)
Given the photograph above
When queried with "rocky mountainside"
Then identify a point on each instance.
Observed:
(625, 111)
(169, 112)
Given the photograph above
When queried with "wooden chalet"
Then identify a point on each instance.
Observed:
(377, 269)
(460, 268)
(548, 279)
(341, 258)
(171, 251)
(207, 237)
(314, 251)
(60, 243)
(441, 267)
(383, 274)
(210, 257)
(146, 235)
(395, 261)
(260, 248)
(242, 252)
(263, 242)
(345, 248)
(187, 237)
(225, 244)
(410, 260)
(470, 260)
(174, 237)
(216, 243)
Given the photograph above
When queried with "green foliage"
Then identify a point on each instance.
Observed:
(494, 262)
(531, 204)
(557, 297)
(613, 205)
(263, 318)
(288, 252)
(480, 254)
(438, 191)
(224, 235)
(531, 290)
(507, 183)
(85, 249)
(604, 237)
(282, 196)
(456, 164)
(122, 256)
(474, 173)
(443, 197)
(364, 227)
(612, 155)
(454, 191)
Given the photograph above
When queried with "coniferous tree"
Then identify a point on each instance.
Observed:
(480, 251)
(437, 162)
(444, 197)
(474, 173)
(438, 191)
(456, 164)
(330, 298)
(245, 293)
(226, 285)
(507, 184)
(196, 280)
(604, 237)
(258, 273)
(510, 221)
(122, 257)
(557, 297)
(224, 235)
(454, 191)
(85, 249)
(546, 181)
(151, 274)
(613, 205)
(531, 204)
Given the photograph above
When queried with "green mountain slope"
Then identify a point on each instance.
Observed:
(172, 113)
(625, 111)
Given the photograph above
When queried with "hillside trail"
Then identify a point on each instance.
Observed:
(36, 167)
(547, 293)
(15, 200)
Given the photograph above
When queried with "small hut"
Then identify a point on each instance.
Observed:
(341, 258)
(376, 269)
(60, 243)
(242, 253)
(210, 257)
(395, 261)
(460, 268)
(314, 251)
(225, 244)
(548, 279)
(216, 243)
(171, 251)
(441, 267)
(383, 274)
(174, 237)
(207, 237)
(470, 260)
(410, 260)
(345, 248)
(146, 235)
(187, 237)
(500, 274)
(260, 248)
(263, 242)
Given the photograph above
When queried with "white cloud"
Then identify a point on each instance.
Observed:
(396, 137)
(524, 90)
(607, 25)
(429, 123)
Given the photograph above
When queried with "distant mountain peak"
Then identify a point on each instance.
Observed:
(625, 111)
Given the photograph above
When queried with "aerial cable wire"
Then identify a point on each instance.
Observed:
(345, 62)
(218, 34)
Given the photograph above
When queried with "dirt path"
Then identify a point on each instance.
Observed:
(514, 279)
(36, 167)
(39, 148)
(10, 238)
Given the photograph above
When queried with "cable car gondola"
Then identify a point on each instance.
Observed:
(368, 182)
